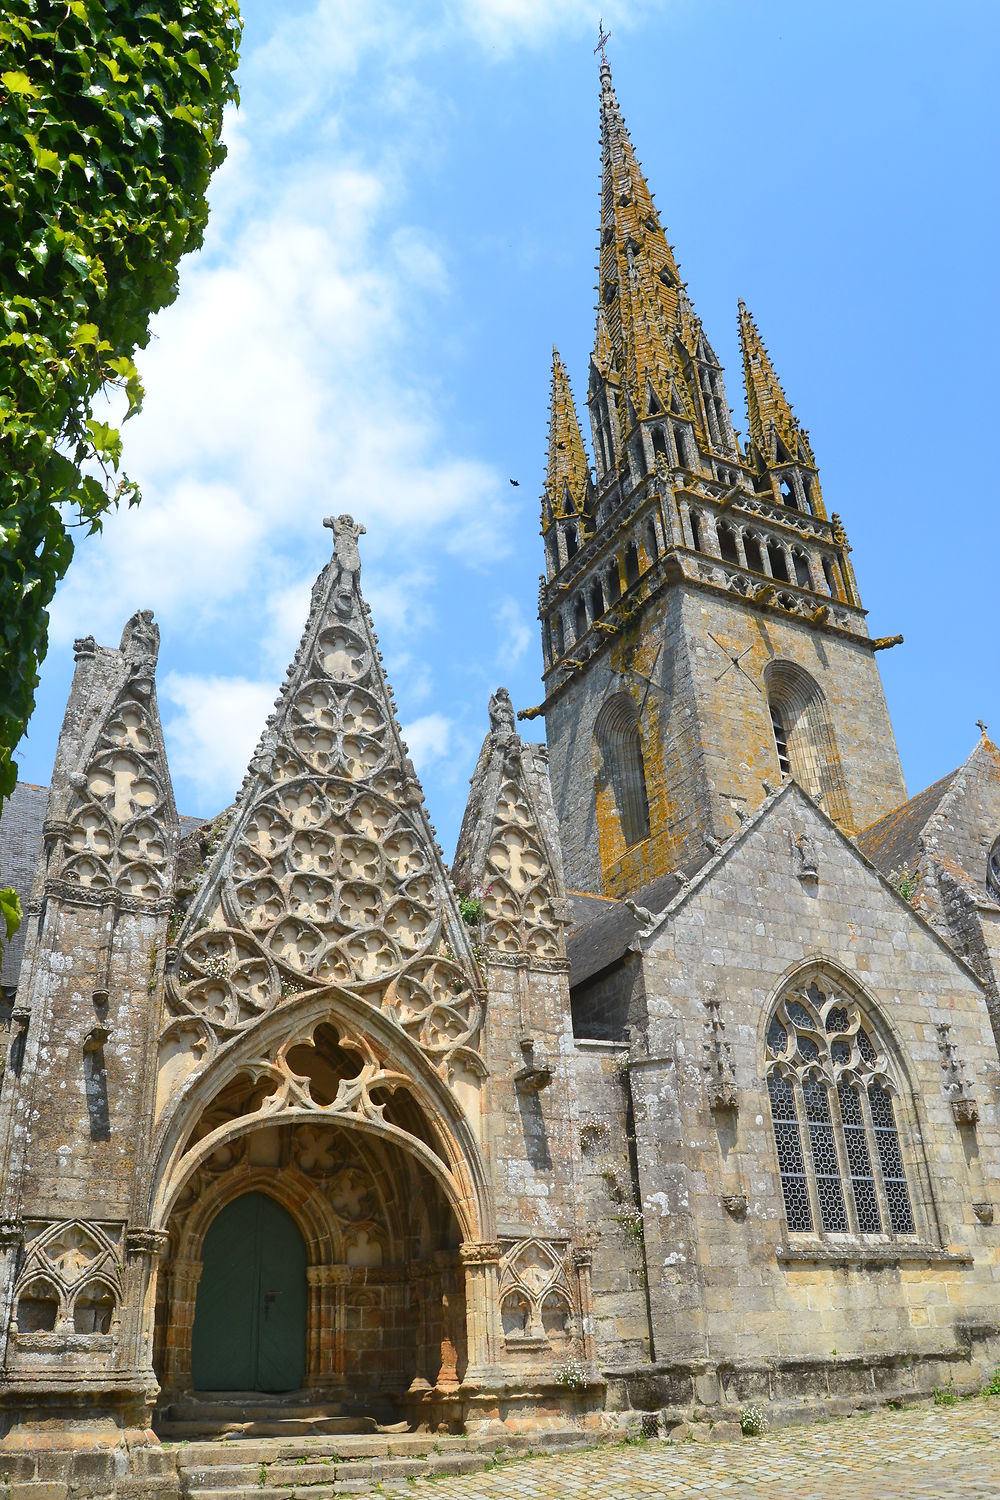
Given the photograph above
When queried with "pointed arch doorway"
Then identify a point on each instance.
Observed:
(250, 1316)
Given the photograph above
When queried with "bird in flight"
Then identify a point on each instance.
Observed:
(515, 482)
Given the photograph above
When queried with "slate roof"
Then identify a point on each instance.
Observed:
(20, 843)
(894, 841)
(604, 926)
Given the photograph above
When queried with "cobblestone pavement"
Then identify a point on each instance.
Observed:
(924, 1453)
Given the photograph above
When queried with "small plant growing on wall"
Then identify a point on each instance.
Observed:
(472, 904)
(905, 882)
(753, 1421)
(572, 1374)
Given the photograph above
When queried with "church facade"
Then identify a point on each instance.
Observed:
(678, 1090)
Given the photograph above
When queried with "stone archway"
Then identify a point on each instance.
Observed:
(386, 1307)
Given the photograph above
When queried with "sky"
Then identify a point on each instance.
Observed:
(405, 224)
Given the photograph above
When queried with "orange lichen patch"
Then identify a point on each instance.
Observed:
(567, 478)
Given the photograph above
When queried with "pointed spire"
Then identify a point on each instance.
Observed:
(567, 480)
(769, 412)
(643, 310)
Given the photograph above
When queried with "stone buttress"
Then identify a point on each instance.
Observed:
(78, 1093)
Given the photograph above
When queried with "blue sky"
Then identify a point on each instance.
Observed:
(405, 225)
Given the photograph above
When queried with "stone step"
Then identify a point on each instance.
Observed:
(268, 1427)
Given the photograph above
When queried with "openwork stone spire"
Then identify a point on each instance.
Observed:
(567, 482)
(328, 872)
(508, 848)
(776, 439)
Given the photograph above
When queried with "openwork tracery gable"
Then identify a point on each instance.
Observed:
(328, 873)
(115, 836)
(536, 1289)
(834, 1103)
(504, 854)
(70, 1279)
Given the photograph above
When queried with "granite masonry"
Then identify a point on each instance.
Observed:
(678, 1090)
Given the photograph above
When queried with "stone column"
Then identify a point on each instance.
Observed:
(482, 1304)
(583, 1260)
(143, 1249)
(184, 1276)
(327, 1324)
(10, 1249)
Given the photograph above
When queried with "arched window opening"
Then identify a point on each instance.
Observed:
(993, 871)
(551, 554)
(780, 741)
(832, 582)
(652, 548)
(796, 703)
(558, 636)
(697, 531)
(802, 577)
(572, 541)
(614, 583)
(779, 566)
(754, 556)
(631, 565)
(788, 495)
(660, 443)
(681, 444)
(93, 1310)
(596, 599)
(37, 1308)
(836, 1134)
(621, 765)
(807, 492)
(727, 545)
(579, 616)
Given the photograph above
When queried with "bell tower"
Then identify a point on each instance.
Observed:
(703, 634)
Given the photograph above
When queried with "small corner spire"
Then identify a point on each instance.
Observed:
(567, 478)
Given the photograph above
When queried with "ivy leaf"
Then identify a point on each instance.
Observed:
(10, 911)
(19, 83)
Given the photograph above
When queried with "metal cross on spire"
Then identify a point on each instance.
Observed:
(981, 726)
(603, 37)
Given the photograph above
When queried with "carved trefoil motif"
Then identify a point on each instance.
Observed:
(327, 874)
(537, 1304)
(69, 1284)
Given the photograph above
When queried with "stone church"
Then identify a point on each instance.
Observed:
(677, 1090)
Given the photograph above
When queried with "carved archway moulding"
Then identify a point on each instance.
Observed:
(389, 1061)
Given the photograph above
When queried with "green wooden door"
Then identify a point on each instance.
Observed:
(250, 1318)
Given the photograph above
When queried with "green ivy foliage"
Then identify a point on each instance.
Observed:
(110, 122)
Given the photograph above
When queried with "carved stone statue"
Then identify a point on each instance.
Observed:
(141, 638)
(502, 721)
(345, 551)
(808, 857)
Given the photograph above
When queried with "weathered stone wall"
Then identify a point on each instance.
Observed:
(706, 733)
(723, 1269)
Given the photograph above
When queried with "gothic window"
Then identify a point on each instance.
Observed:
(614, 583)
(780, 740)
(696, 531)
(602, 431)
(806, 742)
(788, 495)
(807, 492)
(830, 572)
(680, 443)
(579, 616)
(572, 541)
(834, 1113)
(621, 765)
(727, 545)
(659, 442)
(802, 577)
(779, 566)
(558, 638)
(754, 556)
(631, 564)
(596, 599)
(652, 550)
(993, 871)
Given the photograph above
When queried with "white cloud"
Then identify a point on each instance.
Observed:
(517, 631)
(210, 741)
(428, 738)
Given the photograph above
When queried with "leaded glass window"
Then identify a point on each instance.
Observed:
(834, 1118)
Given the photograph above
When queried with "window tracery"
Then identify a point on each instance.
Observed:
(834, 1116)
